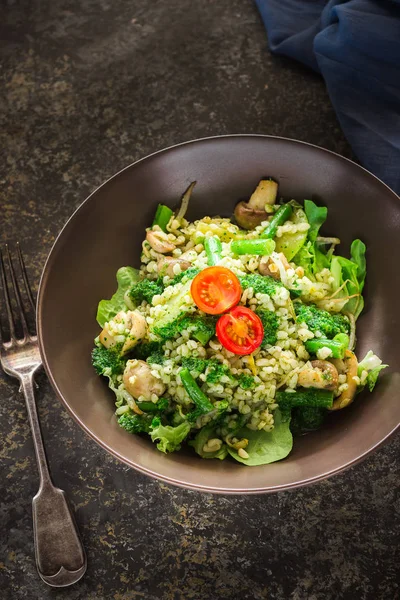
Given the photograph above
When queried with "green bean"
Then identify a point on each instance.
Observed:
(201, 401)
(262, 247)
(342, 338)
(147, 406)
(213, 248)
(162, 216)
(283, 213)
(337, 346)
(305, 397)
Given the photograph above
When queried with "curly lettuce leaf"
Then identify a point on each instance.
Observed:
(107, 309)
(373, 365)
(169, 438)
(266, 447)
(373, 376)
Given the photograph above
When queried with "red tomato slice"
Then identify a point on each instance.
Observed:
(215, 290)
(240, 331)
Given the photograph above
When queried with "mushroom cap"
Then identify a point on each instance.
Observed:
(248, 217)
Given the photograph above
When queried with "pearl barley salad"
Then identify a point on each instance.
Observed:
(235, 334)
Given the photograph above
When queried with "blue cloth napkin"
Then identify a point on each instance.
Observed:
(355, 45)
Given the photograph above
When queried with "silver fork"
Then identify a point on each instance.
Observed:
(60, 557)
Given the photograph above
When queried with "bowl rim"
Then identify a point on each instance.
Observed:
(175, 481)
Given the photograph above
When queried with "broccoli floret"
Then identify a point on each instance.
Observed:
(261, 284)
(157, 358)
(270, 324)
(176, 319)
(215, 370)
(202, 328)
(295, 291)
(169, 438)
(145, 290)
(135, 423)
(168, 331)
(162, 404)
(107, 361)
(321, 320)
(198, 365)
(246, 382)
(145, 349)
(185, 275)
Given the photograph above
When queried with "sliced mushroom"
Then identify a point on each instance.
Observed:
(137, 331)
(126, 328)
(159, 241)
(140, 382)
(322, 375)
(250, 214)
(265, 193)
(268, 266)
(349, 366)
(248, 218)
(166, 264)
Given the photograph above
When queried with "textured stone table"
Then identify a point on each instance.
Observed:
(86, 88)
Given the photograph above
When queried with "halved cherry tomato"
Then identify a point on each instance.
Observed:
(240, 331)
(215, 290)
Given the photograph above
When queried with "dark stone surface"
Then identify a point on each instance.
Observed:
(86, 88)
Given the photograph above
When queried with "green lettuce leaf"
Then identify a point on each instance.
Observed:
(107, 309)
(169, 438)
(305, 257)
(357, 252)
(311, 257)
(266, 447)
(373, 365)
(291, 243)
(345, 274)
(207, 433)
(122, 396)
(373, 376)
(316, 216)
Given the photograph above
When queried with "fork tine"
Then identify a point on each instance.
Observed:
(17, 294)
(7, 298)
(25, 278)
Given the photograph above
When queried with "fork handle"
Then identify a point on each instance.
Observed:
(60, 557)
(27, 385)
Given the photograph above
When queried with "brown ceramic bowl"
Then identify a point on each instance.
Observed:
(105, 233)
